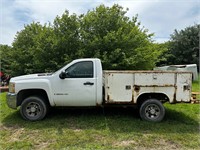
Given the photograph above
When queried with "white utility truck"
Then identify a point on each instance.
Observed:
(83, 83)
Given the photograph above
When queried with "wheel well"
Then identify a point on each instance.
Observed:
(159, 96)
(30, 92)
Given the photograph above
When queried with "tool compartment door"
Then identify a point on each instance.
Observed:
(183, 84)
(118, 87)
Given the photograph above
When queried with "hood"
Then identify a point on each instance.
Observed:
(31, 76)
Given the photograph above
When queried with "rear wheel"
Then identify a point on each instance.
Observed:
(152, 110)
(33, 108)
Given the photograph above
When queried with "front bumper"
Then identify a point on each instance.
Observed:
(11, 100)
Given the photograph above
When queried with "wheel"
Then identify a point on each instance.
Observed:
(152, 110)
(33, 108)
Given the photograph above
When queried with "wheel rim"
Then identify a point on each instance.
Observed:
(152, 111)
(33, 109)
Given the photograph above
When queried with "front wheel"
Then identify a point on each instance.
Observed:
(33, 108)
(152, 110)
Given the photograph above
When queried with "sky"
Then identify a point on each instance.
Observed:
(160, 17)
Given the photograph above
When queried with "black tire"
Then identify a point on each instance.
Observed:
(33, 108)
(152, 110)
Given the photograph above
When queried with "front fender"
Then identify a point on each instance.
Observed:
(43, 84)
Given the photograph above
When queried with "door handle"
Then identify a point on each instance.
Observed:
(88, 83)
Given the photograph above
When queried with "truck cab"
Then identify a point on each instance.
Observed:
(78, 84)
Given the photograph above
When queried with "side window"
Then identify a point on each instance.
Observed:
(80, 70)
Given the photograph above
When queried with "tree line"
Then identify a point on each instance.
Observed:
(104, 32)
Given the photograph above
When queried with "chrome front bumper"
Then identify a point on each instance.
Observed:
(11, 100)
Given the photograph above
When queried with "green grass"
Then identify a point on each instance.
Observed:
(109, 128)
(196, 85)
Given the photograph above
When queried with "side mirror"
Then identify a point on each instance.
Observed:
(62, 75)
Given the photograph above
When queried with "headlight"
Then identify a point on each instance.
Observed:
(12, 87)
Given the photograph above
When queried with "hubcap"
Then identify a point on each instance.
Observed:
(33, 109)
(152, 111)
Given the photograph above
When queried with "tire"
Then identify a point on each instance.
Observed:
(152, 110)
(33, 108)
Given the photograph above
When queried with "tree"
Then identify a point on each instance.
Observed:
(25, 49)
(165, 54)
(119, 41)
(5, 53)
(104, 32)
(184, 46)
(46, 48)
(66, 38)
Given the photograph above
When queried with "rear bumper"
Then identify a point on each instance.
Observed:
(12, 100)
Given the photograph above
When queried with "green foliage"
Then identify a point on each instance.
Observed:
(104, 32)
(184, 46)
(118, 41)
(67, 38)
(5, 58)
(33, 50)
(196, 85)
(165, 54)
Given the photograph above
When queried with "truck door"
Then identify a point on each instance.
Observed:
(79, 86)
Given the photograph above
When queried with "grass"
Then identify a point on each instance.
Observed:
(98, 128)
(110, 128)
(196, 85)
